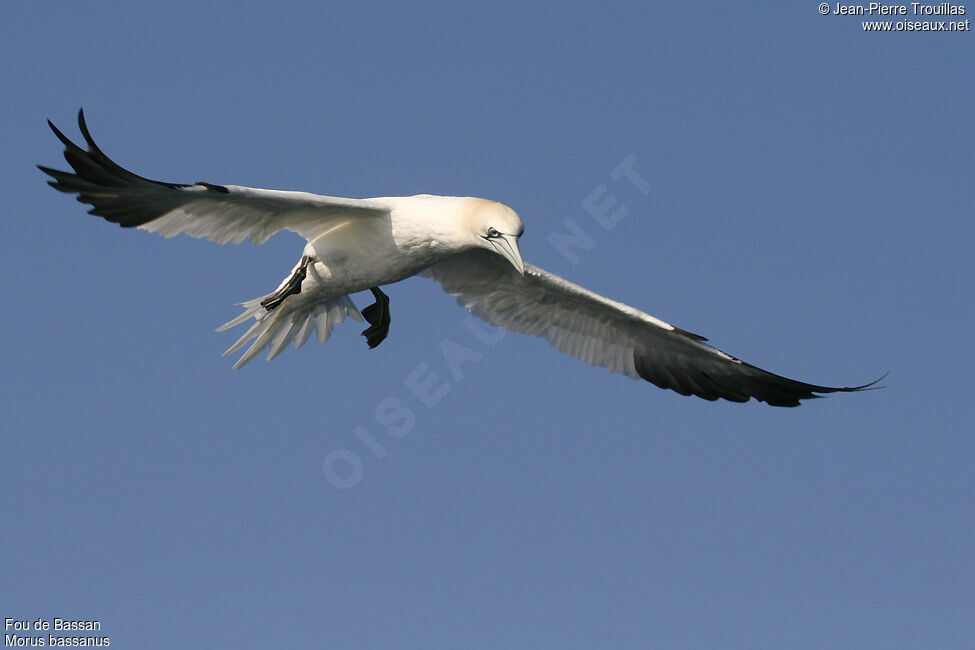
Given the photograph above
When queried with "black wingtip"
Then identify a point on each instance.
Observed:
(50, 172)
(115, 194)
(63, 138)
(84, 130)
(81, 123)
(868, 386)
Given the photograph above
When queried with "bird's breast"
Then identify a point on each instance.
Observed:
(363, 253)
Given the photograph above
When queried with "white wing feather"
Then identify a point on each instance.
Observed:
(220, 213)
(609, 334)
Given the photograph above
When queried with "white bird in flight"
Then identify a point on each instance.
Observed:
(468, 245)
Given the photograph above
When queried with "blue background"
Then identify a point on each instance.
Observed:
(810, 211)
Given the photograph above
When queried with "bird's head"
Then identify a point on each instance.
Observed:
(496, 227)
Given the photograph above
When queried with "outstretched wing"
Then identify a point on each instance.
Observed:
(609, 334)
(221, 213)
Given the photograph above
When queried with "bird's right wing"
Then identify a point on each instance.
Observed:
(606, 333)
(220, 213)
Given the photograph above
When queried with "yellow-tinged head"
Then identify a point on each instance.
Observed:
(496, 227)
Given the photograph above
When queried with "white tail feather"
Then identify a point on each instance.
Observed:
(281, 339)
(304, 332)
(251, 308)
(291, 320)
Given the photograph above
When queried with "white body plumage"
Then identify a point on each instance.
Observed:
(468, 245)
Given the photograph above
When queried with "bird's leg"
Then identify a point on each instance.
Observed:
(292, 285)
(378, 316)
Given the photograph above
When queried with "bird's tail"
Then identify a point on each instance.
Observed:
(292, 320)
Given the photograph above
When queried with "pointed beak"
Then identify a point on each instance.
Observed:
(507, 247)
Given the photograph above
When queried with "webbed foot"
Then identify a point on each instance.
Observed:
(293, 285)
(378, 316)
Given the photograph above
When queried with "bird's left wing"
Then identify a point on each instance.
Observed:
(221, 213)
(609, 334)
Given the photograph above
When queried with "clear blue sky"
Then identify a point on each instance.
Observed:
(810, 211)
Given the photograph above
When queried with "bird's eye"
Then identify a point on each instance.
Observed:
(492, 233)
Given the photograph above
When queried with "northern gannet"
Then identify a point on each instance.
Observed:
(468, 245)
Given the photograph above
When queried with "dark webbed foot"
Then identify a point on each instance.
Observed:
(378, 316)
(293, 285)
